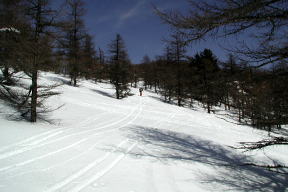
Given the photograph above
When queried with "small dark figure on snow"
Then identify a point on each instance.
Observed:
(140, 90)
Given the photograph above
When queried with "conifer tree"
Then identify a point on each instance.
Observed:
(74, 30)
(11, 22)
(88, 58)
(41, 17)
(146, 72)
(119, 66)
(223, 18)
(177, 46)
(208, 69)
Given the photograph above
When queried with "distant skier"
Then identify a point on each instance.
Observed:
(141, 90)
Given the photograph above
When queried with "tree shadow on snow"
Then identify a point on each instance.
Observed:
(231, 173)
(158, 99)
(174, 102)
(61, 80)
(102, 93)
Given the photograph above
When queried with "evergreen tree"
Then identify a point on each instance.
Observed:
(207, 69)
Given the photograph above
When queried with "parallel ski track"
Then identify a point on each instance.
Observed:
(111, 165)
(82, 171)
(62, 162)
(32, 160)
(36, 139)
(102, 172)
(28, 148)
(85, 169)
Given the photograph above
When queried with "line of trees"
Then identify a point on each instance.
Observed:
(256, 96)
(259, 95)
(26, 45)
(34, 37)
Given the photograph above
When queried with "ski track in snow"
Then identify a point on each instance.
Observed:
(61, 163)
(33, 143)
(84, 170)
(37, 142)
(29, 148)
(48, 154)
(74, 153)
(102, 172)
(42, 156)
(26, 140)
(36, 139)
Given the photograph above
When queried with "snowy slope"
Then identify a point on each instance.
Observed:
(138, 144)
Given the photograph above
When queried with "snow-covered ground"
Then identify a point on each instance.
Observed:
(138, 144)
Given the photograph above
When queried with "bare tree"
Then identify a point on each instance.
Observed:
(74, 34)
(178, 49)
(11, 23)
(41, 19)
(268, 18)
(119, 67)
(88, 58)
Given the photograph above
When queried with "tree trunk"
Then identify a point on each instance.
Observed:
(34, 90)
(239, 114)
(74, 81)
(117, 93)
(6, 73)
(179, 95)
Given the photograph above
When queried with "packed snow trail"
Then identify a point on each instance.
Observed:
(102, 172)
(33, 145)
(83, 170)
(136, 144)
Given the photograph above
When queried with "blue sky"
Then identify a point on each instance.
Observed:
(142, 30)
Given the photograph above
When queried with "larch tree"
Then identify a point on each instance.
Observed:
(119, 66)
(74, 34)
(41, 19)
(267, 20)
(11, 23)
(224, 18)
(168, 76)
(26, 47)
(178, 50)
(146, 73)
(100, 71)
(88, 58)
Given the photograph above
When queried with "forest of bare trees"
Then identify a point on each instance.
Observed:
(251, 83)
(255, 87)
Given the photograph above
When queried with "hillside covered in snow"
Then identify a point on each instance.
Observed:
(137, 144)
